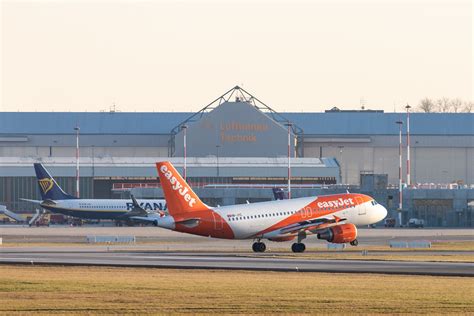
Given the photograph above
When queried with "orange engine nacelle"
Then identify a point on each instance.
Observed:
(339, 234)
(286, 238)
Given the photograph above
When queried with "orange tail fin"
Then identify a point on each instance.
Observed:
(180, 198)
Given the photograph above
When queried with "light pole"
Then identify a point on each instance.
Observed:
(184, 127)
(289, 124)
(77, 129)
(217, 159)
(400, 194)
(93, 169)
(340, 162)
(408, 107)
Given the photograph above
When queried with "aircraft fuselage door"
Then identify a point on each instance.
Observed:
(361, 207)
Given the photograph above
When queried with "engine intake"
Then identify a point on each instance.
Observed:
(339, 234)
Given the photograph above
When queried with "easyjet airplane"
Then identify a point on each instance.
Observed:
(330, 217)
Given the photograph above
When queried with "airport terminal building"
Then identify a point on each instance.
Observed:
(237, 149)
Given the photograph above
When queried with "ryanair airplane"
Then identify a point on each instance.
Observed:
(57, 201)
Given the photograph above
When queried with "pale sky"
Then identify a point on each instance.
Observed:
(179, 55)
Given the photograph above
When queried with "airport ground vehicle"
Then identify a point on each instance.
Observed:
(390, 222)
(57, 219)
(57, 201)
(416, 223)
(43, 220)
(331, 217)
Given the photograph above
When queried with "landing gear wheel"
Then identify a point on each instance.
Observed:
(355, 242)
(259, 247)
(298, 247)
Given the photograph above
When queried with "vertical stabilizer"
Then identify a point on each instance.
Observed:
(179, 196)
(49, 189)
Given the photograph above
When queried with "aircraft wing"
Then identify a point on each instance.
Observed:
(312, 225)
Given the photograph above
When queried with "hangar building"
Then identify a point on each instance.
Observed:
(236, 139)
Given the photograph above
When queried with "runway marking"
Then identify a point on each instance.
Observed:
(235, 261)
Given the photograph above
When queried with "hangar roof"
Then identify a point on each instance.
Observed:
(379, 123)
(332, 123)
(90, 122)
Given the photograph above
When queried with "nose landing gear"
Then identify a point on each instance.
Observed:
(355, 242)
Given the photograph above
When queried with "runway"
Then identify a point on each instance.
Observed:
(158, 248)
(163, 238)
(230, 261)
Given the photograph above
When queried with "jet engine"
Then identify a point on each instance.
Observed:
(339, 234)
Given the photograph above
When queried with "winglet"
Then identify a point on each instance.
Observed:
(136, 210)
(134, 202)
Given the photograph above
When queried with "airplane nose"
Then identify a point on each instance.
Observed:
(382, 212)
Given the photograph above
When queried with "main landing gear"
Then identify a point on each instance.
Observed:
(355, 242)
(259, 246)
(299, 246)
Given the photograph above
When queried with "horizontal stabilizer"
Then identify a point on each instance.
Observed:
(32, 201)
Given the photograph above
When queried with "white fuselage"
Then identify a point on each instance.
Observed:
(249, 220)
(253, 218)
(101, 208)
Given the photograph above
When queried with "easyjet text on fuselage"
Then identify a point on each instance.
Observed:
(336, 203)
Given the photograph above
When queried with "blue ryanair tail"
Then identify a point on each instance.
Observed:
(49, 189)
(56, 200)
